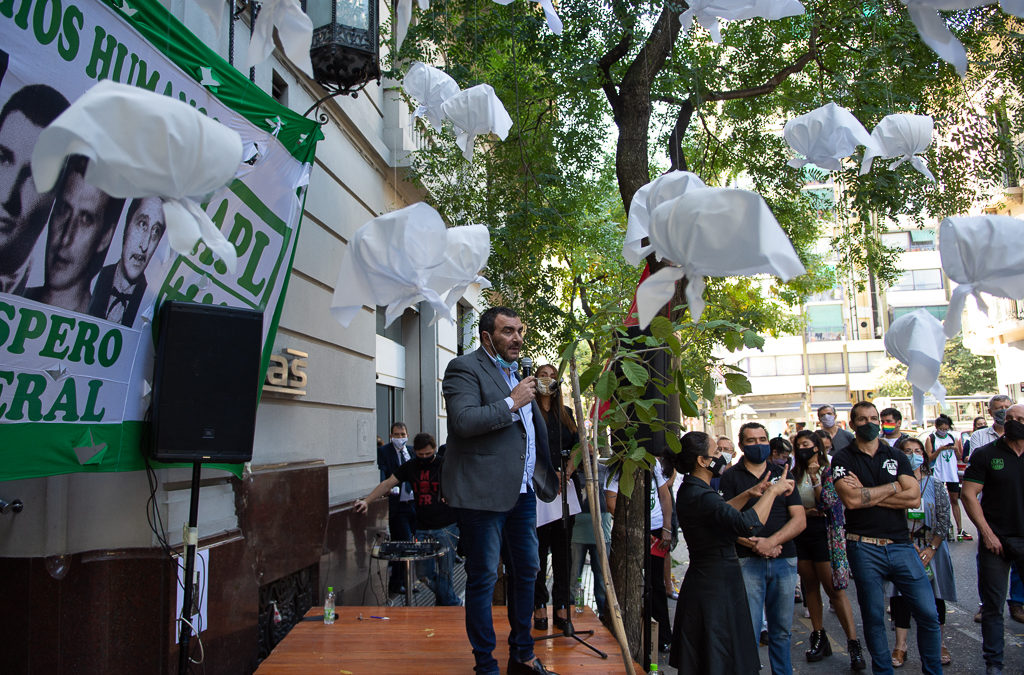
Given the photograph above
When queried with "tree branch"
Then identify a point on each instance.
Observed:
(613, 56)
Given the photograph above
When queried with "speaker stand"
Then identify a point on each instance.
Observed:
(191, 540)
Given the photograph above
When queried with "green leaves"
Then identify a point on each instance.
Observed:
(635, 373)
(737, 383)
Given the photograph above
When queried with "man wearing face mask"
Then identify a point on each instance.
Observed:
(768, 561)
(496, 467)
(876, 484)
(892, 420)
(841, 438)
(434, 519)
(401, 508)
(998, 469)
(997, 406)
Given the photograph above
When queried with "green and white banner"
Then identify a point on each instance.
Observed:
(81, 273)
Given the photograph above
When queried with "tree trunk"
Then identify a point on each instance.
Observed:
(629, 537)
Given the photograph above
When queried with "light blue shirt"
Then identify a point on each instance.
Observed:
(525, 415)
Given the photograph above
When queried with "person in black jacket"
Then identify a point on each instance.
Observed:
(712, 625)
(553, 536)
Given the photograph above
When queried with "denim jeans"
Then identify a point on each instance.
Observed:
(441, 583)
(1016, 586)
(992, 579)
(579, 552)
(512, 535)
(771, 585)
(872, 565)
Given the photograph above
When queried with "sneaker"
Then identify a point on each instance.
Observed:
(764, 639)
(964, 536)
(977, 615)
(1017, 612)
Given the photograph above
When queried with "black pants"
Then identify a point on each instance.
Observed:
(901, 611)
(555, 538)
(993, 578)
(659, 601)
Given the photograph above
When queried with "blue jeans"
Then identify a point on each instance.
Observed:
(771, 585)
(579, 552)
(1016, 586)
(512, 535)
(872, 565)
(441, 583)
(401, 525)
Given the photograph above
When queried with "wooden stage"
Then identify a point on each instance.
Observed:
(423, 641)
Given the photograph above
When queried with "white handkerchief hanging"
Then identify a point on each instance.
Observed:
(294, 30)
(474, 111)
(708, 12)
(431, 87)
(648, 198)
(916, 340)
(981, 254)
(902, 136)
(143, 144)
(825, 136)
(713, 232)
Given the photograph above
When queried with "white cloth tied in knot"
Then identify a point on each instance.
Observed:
(936, 34)
(902, 136)
(554, 23)
(713, 232)
(708, 12)
(982, 254)
(645, 200)
(825, 136)
(404, 18)
(294, 30)
(431, 87)
(400, 258)
(143, 144)
(475, 111)
(472, 112)
(917, 341)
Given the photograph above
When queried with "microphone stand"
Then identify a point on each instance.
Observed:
(569, 631)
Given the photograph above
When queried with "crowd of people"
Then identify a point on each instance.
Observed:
(781, 519)
(877, 506)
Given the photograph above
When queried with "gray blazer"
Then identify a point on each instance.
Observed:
(483, 466)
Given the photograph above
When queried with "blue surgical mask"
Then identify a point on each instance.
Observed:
(513, 366)
(757, 453)
(916, 461)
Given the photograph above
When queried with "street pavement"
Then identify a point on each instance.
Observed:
(962, 635)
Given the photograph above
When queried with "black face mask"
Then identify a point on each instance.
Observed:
(717, 464)
(805, 454)
(1014, 430)
(867, 431)
(425, 461)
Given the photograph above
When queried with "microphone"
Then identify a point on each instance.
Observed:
(526, 364)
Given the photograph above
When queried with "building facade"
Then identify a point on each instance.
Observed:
(87, 586)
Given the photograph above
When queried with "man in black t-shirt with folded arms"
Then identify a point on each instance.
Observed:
(877, 485)
(434, 518)
(998, 469)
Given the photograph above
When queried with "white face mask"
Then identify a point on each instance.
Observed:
(728, 457)
(399, 442)
(828, 420)
(546, 386)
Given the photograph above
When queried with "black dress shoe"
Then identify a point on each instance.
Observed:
(560, 623)
(517, 668)
(540, 623)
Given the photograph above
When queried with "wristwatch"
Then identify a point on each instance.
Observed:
(933, 547)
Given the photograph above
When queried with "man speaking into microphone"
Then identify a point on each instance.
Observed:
(496, 466)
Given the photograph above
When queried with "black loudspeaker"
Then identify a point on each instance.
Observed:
(206, 383)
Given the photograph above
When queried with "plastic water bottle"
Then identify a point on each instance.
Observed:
(654, 668)
(579, 595)
(329, 606)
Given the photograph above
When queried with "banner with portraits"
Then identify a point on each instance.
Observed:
(81, 273)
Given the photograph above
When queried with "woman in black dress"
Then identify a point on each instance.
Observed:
(553, 536)
(712, 625)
